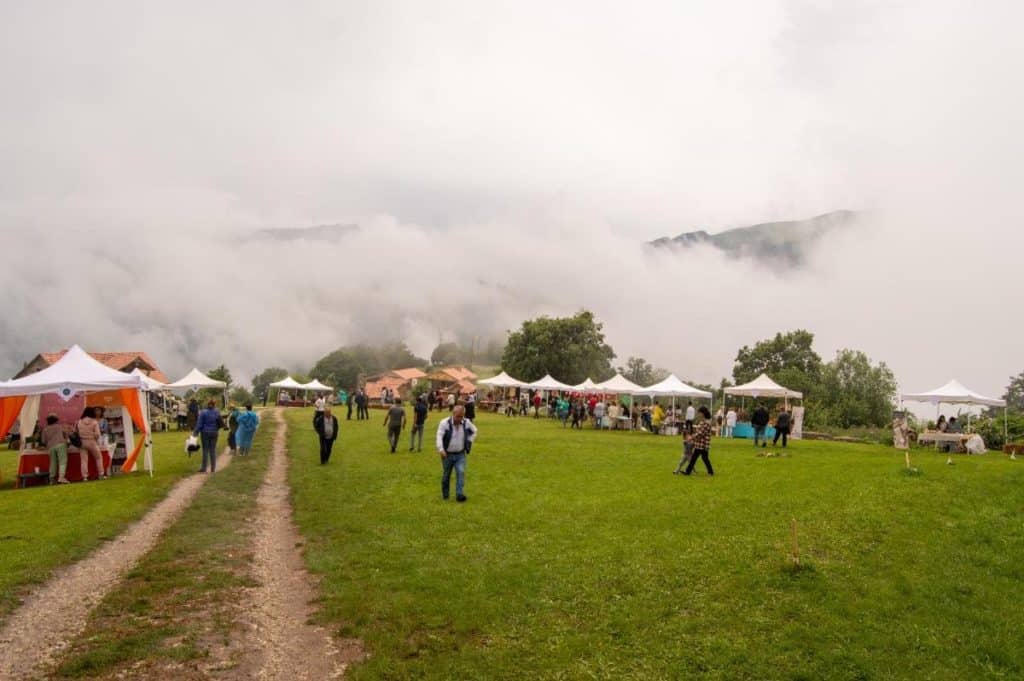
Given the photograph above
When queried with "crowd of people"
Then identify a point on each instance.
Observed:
(576, 411)
(454, 438)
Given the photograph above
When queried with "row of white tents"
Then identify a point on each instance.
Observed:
(289, 383)
(762, 386)
(952, 393)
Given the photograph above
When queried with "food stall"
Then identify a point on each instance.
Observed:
(65, 388)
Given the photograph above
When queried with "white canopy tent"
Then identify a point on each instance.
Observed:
(762, 386)
(549, 383)
(673, 387)
(287, 383)
(620, 385)
(149, 384)
(317, 387)
(502, 380)
(953, 392)
(587, 386)
(75, 373)
(956, 392)
(195, 380)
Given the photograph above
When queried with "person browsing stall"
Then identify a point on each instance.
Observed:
(55, 440)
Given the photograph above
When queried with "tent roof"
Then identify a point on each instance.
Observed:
(317, 386)
(75, 372)
(672, 386)
(196, 379)
(586, 386)
(502, 380)
(149, 384)
(618, 384)
(762, 386)
(954, 392)
(287, 382)
(549, 383)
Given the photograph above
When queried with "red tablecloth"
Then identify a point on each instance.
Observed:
(31, 459)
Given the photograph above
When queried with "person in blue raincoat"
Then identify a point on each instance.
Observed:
(248, 422)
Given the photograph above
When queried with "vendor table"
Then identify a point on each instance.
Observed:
(30, 460)
(936, 436)
(744, 429)
(939, 437)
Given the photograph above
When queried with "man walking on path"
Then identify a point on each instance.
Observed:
(418, 422)
(208, 425)
(394, 421)
(326, 426)
(455, 437)
(759, 420)
(781, 427)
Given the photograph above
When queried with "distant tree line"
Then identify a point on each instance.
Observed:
(848, 391)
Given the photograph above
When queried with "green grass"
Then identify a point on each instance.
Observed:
(44, 528)
(580, 556)
(182, 597)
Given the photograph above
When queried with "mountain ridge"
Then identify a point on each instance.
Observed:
(785, 240)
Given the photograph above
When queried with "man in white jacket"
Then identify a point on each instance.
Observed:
(455, 437)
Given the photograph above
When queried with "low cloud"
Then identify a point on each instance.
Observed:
(505, 164)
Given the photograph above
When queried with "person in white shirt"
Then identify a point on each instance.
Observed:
(319, 404)
(730, 422)
(691, 415)
(455, 437)
(612, 416)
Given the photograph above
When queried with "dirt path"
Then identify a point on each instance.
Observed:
(38, 632)
(282, 643)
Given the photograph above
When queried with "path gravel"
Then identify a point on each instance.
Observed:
(38, 632)
(282, 643)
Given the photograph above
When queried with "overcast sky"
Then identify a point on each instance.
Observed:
(505, 160)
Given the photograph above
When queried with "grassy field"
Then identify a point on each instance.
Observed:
(580, 556)
(43, 528)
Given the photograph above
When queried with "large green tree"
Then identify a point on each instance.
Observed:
(445, 354)
(854, 392)
(788, 358)
(343, 367)
(568, 348)
(1014, 394)
(642, 372)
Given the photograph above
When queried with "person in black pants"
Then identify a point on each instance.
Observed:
(701, 443)
(759, 420)
(348, 403)
(781, 427)
(362, 412)
(326, 426)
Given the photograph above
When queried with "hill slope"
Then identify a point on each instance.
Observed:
(777, 242)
